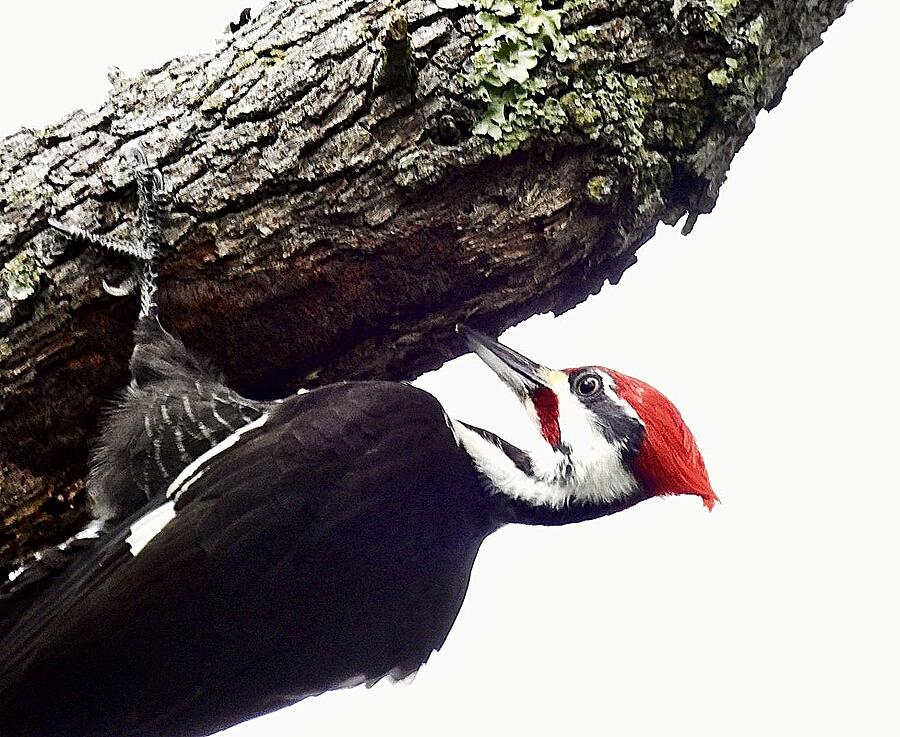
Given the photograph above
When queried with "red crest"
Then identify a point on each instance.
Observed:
(669, 461)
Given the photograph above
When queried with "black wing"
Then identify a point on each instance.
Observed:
(176, 408)
(332, 542)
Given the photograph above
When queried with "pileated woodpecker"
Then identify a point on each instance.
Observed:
(249, 554)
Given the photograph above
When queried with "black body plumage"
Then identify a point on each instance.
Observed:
(331, 544)
(249, 554)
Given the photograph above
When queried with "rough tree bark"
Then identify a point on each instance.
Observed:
(351, 178)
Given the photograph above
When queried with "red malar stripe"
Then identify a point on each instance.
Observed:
(546, 405)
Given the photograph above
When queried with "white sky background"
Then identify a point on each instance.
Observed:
(773, 327)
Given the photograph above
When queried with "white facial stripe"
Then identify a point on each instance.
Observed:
(505, 477)
(559, 479)
(594, 464)
(175, 488)
(149, 526)
(590, 470)
(609, 389)
(576, 428)
(597, 462)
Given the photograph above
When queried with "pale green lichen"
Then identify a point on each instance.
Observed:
(518, 71)
(244, 60)
(21, 275)
(742, 76)
(524, 93)
(702, 15)
(519, 36)
(601, 189)
(723, 76)
(610, 104)
(45, 134)
(720, 77)
(748, 37)
(754, 31)
(5, 350)
(724, 7)
(214, 102)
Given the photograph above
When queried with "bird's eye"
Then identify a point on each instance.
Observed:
(588, 385)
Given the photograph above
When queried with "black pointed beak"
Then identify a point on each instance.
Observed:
(520, 374)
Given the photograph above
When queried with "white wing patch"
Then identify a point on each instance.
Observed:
(13, 575)
(152, 523)
(189, 472)
(149, 526)
(92, 531)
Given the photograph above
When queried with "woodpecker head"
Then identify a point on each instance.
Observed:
(609, 440)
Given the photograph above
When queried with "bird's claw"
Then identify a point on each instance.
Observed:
(139, 158)
(123, 289)
(152, 203)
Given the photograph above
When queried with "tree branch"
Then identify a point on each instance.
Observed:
(352, 178)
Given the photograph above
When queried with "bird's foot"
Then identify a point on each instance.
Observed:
(152, 205)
